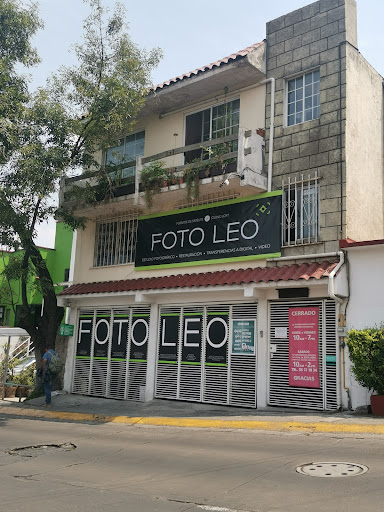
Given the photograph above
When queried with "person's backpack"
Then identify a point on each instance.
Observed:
(55, 364)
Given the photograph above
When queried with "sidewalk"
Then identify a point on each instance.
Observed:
(68, 407)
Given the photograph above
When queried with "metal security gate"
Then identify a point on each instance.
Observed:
(111, 352)
(207, 354)
(281, 393)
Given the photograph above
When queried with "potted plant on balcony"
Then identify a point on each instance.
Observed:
(192, 181)
(152, 178)
(366, 351)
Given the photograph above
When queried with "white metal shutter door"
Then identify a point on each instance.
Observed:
(138, 348)
(118, 354)
(82, 367)
(168, 352)
(280, 393)
(243, 367)
(331, 355)
(100, 351)
(190, 354)
(216, 375)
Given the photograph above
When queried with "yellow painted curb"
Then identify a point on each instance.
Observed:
(279, 426)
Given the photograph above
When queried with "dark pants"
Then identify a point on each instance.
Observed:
(47, 384)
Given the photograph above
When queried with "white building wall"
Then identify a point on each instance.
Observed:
(366, 304)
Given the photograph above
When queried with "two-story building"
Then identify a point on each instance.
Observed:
(224, 283)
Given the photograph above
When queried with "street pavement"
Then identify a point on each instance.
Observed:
(70, 407)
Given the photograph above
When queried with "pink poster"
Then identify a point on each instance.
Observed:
(304, 347)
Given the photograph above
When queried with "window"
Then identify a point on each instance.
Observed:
(212, 123)
(300, 222)
(115, 242)
(303, 98)
(123, 156)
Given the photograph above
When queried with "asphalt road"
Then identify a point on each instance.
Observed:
(108, 467)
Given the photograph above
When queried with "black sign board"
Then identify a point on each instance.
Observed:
(102, 327)
(139, 338)
(84, 335)
(119, 337)
(169, 337)
(191, 351)
(240, 229)
(216, 339)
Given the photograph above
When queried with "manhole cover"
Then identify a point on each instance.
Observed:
(332, 469)
(41, 449)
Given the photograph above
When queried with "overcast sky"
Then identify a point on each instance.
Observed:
(191, 34)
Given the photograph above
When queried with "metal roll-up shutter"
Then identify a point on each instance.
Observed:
(100, 352)
(280, 393)
(82, 367)
(138, 350)
(331, 356)
(243, 367)
(168, 352)
(190, 354)
(216, 375)
(117, 375)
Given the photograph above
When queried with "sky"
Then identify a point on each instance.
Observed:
(190, 34)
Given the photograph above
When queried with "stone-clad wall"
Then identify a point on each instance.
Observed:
(313, 38)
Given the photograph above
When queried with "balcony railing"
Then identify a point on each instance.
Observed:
(247, 163)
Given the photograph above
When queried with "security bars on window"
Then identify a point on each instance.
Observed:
(115, 241)
(300, 211)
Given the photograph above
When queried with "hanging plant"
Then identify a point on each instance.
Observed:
(152, 178)
(191, 179)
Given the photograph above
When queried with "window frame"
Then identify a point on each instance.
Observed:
(314, 97)
(120, 174)
(211, 122)
(116, 244)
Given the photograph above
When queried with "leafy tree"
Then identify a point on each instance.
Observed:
(52, 133)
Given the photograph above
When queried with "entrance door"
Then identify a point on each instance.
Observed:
(111, 352)
(208, 354)
(306, 367)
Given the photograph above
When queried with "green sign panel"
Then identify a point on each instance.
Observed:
(243, 337)
(66, 330)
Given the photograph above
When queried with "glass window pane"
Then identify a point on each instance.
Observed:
(299, 94)
(291, 97)
(299, 117)
(308, 103)
(308, 78)
(291, 85)
(291, 120)
(291, 109)
(316, 112)
(299, 106)
(299, 82)
(316, 88)
(308, 90)
(316, 75)
(308, 115)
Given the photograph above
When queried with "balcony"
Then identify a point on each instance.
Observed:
(241, 168)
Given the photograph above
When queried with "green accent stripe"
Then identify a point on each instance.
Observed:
(117, 359)
(100, 358)
(121, 316)
(106, 317)
(83, 357)
(141, 315)
(85, 316)
(213, 205)
(215, 364)
(190, 363)
(137, 360)
(167, 362)
(210, 262)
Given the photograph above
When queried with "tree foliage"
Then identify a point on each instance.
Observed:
(55, 131)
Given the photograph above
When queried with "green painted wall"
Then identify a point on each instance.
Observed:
(58, 260)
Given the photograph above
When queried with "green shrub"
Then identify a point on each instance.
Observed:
(366, 351)
(26, 377)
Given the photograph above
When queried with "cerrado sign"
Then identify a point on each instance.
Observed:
(236, 230)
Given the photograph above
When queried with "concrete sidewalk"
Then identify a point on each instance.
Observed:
(68, 407)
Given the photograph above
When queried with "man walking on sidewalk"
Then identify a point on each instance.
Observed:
(47, 375)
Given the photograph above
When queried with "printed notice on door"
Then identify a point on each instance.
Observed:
(304, 347)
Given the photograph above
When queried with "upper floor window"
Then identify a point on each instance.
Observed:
(115, 242)
(303, 98)
(121, 159)
(300, 212)
(211, 123)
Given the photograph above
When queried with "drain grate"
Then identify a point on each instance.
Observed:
(41, 449)
(332, 469)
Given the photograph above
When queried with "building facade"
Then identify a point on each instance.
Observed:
(225, 283)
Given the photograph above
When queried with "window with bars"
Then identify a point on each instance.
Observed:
(300, 212)
(115, 242)
(303, 98)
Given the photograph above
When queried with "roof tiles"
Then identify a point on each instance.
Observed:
(304, 271)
